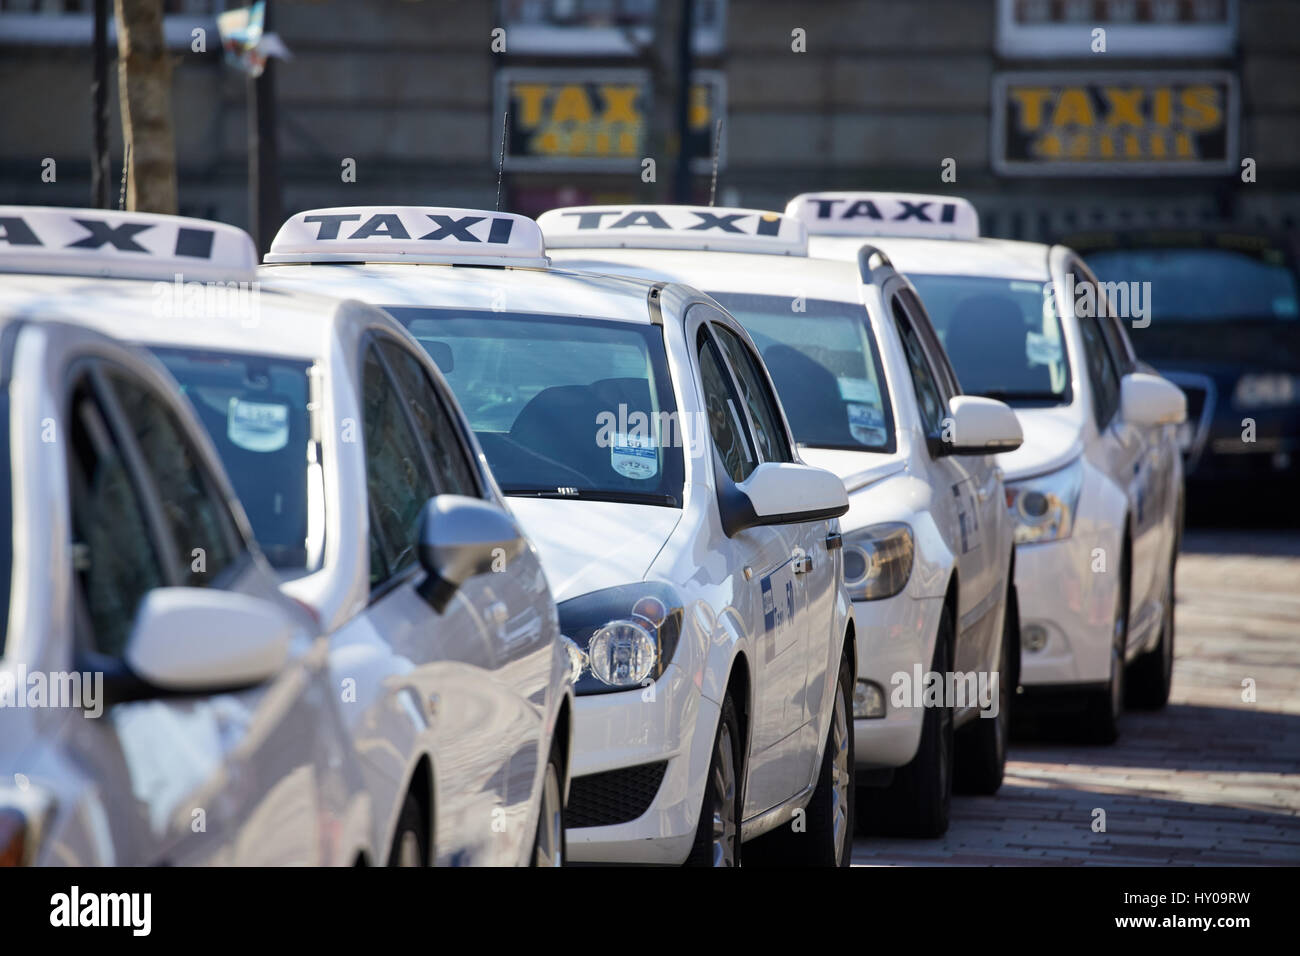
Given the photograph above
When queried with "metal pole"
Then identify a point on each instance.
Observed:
(99, 164)
(265, 212)
(682, 180)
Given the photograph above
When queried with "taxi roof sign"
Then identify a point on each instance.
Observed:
(415, 234)
(718, 229)
(57, 240)
(886, 214)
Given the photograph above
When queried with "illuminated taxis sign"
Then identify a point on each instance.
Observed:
(712, 228)
(1121, 123)
(594, 120)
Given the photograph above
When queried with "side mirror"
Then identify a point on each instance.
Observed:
(202, 640)
(1149, 400)
(979, 426)
(461, 537)
(783, 493)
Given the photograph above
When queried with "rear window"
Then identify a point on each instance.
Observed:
(255, 410)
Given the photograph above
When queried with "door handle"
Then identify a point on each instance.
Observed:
(834, 541)
(802, 564)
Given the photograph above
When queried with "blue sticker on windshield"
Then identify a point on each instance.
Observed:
(257, 426)
(634, 456)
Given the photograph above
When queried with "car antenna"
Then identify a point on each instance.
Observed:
(717, 144)
(501, 161)
(126, 164)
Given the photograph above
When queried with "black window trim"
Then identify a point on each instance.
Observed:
(735, 377)
(931, 438)
(706, 338)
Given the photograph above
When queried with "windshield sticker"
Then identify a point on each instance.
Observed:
(866, 424)
(859, 390)
(1040, 350)
(257, 426)
(634, 456)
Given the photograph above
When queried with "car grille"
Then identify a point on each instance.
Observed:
(615, 796)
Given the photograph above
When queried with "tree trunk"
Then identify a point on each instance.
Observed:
(664, 63)
(144, 82)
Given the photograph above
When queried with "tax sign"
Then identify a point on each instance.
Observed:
(593, 120)
(1115, 124)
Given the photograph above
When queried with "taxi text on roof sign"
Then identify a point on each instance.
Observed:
(674, 227)
(122, 245)
(418, 234)
(885, 214)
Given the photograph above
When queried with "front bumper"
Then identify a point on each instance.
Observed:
(893, 635)
(1060, 593)
(669, 721)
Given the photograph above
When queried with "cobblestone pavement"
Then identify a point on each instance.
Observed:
(1210, 780)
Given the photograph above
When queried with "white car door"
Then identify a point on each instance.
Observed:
(515, 606)
(966, 483)
(233, 778)
(438, 693)
(765, 606)
(1124, 455)
(812, 563)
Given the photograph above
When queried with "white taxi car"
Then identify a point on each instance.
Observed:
(369, 496)
(160, 701)
(1096, 491)
(635, 433)
(927, 543)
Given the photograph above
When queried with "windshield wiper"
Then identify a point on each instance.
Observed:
(592, 494)
(1006, 395)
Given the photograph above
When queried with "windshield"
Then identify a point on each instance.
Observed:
(256, 411)
(1205, 285)
(825, 366)
(1001, 335)
(562, 406)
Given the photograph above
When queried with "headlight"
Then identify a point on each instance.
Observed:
(624, 636)
(878, 561)
(1271, 390)
(1043, 508)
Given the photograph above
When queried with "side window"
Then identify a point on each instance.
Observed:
(451, 467)
(397, 481)
(113, 552)
(946, 376)
(1101, 371)
(929, 399)
(197, 519)
(1112, 330)
(726, 423)
(763, 408)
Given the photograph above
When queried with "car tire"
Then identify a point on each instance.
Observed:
(409, 845)
(826, 839)
(981, 758)
(549, 845)
(1151, 676)
(717, 835)
(1104, 707)
(918, 802)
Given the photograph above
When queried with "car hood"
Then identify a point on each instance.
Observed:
(856, 469)
(1053, 438)
(588, 545)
